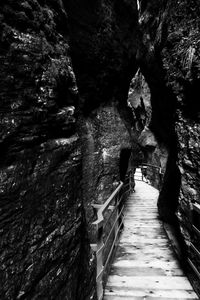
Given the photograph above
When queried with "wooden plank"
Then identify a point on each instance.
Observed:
(156, 233)
(145, 266)
(174, 294)
(106, 297)
(140, 215)
(148, 250)
(149, 282)
(149, 230)
(149, 297)
(167, 265)
(142, 223)
(140, 239)
(145, 271)
(146, 257)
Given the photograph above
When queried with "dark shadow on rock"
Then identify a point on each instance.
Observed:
(124, 161)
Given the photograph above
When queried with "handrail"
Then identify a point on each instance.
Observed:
(152, 166)
(196, 231)
(100, 225)
(150, 176)
(106, 240)
(103, 208)
(119, 227)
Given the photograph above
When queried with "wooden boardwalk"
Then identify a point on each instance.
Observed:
(145, 266)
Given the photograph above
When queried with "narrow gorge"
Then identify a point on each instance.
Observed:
(88, 86)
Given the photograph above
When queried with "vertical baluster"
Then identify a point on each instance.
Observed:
(98, 249)
(116, 217)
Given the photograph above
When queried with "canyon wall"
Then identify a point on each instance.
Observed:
(170, 63)
(65, 72)
(44, 244)
(103, 39)
(66, 67)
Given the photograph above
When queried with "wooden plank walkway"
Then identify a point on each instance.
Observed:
(145, 266)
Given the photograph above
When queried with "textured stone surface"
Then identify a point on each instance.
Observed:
(154, 153)
(170, 61)
(46, 127)
(104, 138)
(103, 39)
(44, 247)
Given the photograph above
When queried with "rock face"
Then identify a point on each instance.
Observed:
(104, 137)
(61, 150)
(154, 153)
(45, 129)
(104, 59)
(170, 63)
(44, 246)
(104, 49)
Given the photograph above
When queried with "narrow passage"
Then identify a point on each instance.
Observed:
(145, 266)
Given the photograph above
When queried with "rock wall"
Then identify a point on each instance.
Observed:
(60, 149)
(154, 154)
(103, 39)
(104, 136)
(170, 60)
(55, 143)
(44, 246)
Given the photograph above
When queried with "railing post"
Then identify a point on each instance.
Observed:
(131, 182)
(99, 257)
(98, 230)
(116, 218)
(98, 248)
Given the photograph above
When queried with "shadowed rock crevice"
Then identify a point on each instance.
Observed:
(103, 40)
(163, 101)
(104, 49)
(156, 130)
(124, 160)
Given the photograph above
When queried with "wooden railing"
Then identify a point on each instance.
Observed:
(107, 229)
(109, 224)
(151, 174)
(196, 232)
